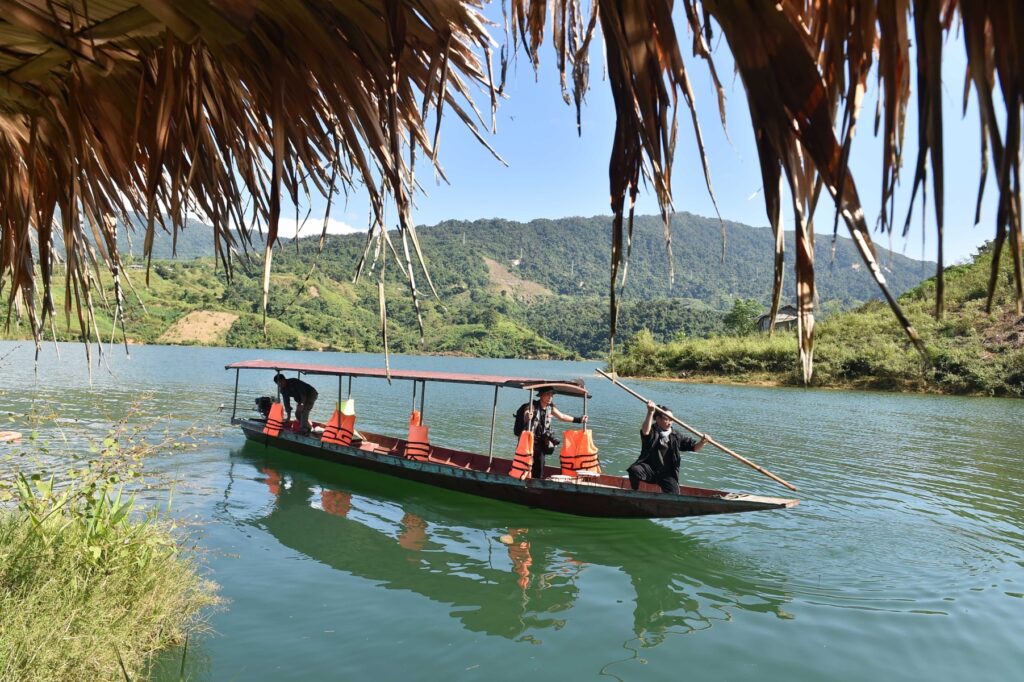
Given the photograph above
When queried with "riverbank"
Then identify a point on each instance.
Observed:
(77, 610)
(768, 380)
(92, 586)
(968, 351)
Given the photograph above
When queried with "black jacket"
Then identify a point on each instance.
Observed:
(298, 389)
(541, 422)
(663, 458)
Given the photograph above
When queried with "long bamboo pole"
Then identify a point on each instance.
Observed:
(694, 431)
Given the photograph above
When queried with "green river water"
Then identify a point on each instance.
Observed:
(903, 561)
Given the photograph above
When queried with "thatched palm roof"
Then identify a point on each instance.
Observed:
(114, 107)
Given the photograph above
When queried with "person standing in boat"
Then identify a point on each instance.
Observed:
(659, 452)
(536, 417)
(305, 396)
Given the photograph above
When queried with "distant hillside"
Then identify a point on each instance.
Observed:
(506, 289)
(571, 256)
(194, 240)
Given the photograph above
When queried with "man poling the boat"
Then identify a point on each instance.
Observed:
(659, 453)
(704, 436)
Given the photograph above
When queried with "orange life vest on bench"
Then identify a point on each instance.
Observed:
(522, 463)
(339, 429)
(275, 420)
(418, 445)
(578, 452)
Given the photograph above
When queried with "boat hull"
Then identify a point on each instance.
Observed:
(577, 497)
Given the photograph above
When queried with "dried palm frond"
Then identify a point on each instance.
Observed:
(218, 106)
(804, 65)
(128, 107)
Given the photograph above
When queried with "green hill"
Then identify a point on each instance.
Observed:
(571, 256)
(194, 240)
(506, 289)
(968, 351)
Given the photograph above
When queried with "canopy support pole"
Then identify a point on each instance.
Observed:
(494, 412)
(349, 385)
(339, 391)
(234, 406)
(414, 382)
(423, 397)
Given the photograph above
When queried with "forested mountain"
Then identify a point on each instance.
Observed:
(194, 240)
(506, 288)
(571, 256)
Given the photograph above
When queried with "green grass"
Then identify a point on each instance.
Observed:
(86, 587)
(91, 586)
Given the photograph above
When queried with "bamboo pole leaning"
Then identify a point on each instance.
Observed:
(694, 431)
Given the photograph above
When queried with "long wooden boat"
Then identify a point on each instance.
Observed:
(600, 495)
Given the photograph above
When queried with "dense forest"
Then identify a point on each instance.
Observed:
(713, 262)
(506, 289)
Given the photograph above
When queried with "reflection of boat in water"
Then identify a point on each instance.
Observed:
(501, 573)
(565, 488)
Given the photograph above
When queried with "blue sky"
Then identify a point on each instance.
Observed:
(553, 173)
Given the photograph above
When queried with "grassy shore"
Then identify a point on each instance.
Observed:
(969, 352)
(91, 586)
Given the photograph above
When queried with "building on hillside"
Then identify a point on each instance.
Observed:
(785, 320)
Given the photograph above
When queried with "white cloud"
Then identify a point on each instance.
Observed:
(287, 227)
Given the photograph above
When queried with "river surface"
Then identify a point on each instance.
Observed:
(903, 561)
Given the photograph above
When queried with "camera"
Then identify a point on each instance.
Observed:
(549, 443)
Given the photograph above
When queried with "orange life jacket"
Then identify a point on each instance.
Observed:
(339, 429)
(275, 420)
(522, 463)
(418, 445)
(579, 452)
(414, 418)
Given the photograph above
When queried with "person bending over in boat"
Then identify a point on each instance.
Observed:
(536, 417)
(659, 453)
(305, 396)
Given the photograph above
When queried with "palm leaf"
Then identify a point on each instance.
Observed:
(155, 108)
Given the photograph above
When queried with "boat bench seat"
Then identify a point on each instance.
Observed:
(370, 446)
(462, 460)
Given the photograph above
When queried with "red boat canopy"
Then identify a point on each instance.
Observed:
(572, 387)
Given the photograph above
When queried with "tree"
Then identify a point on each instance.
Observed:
(741, 320)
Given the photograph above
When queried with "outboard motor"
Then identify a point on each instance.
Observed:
(263, 404)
